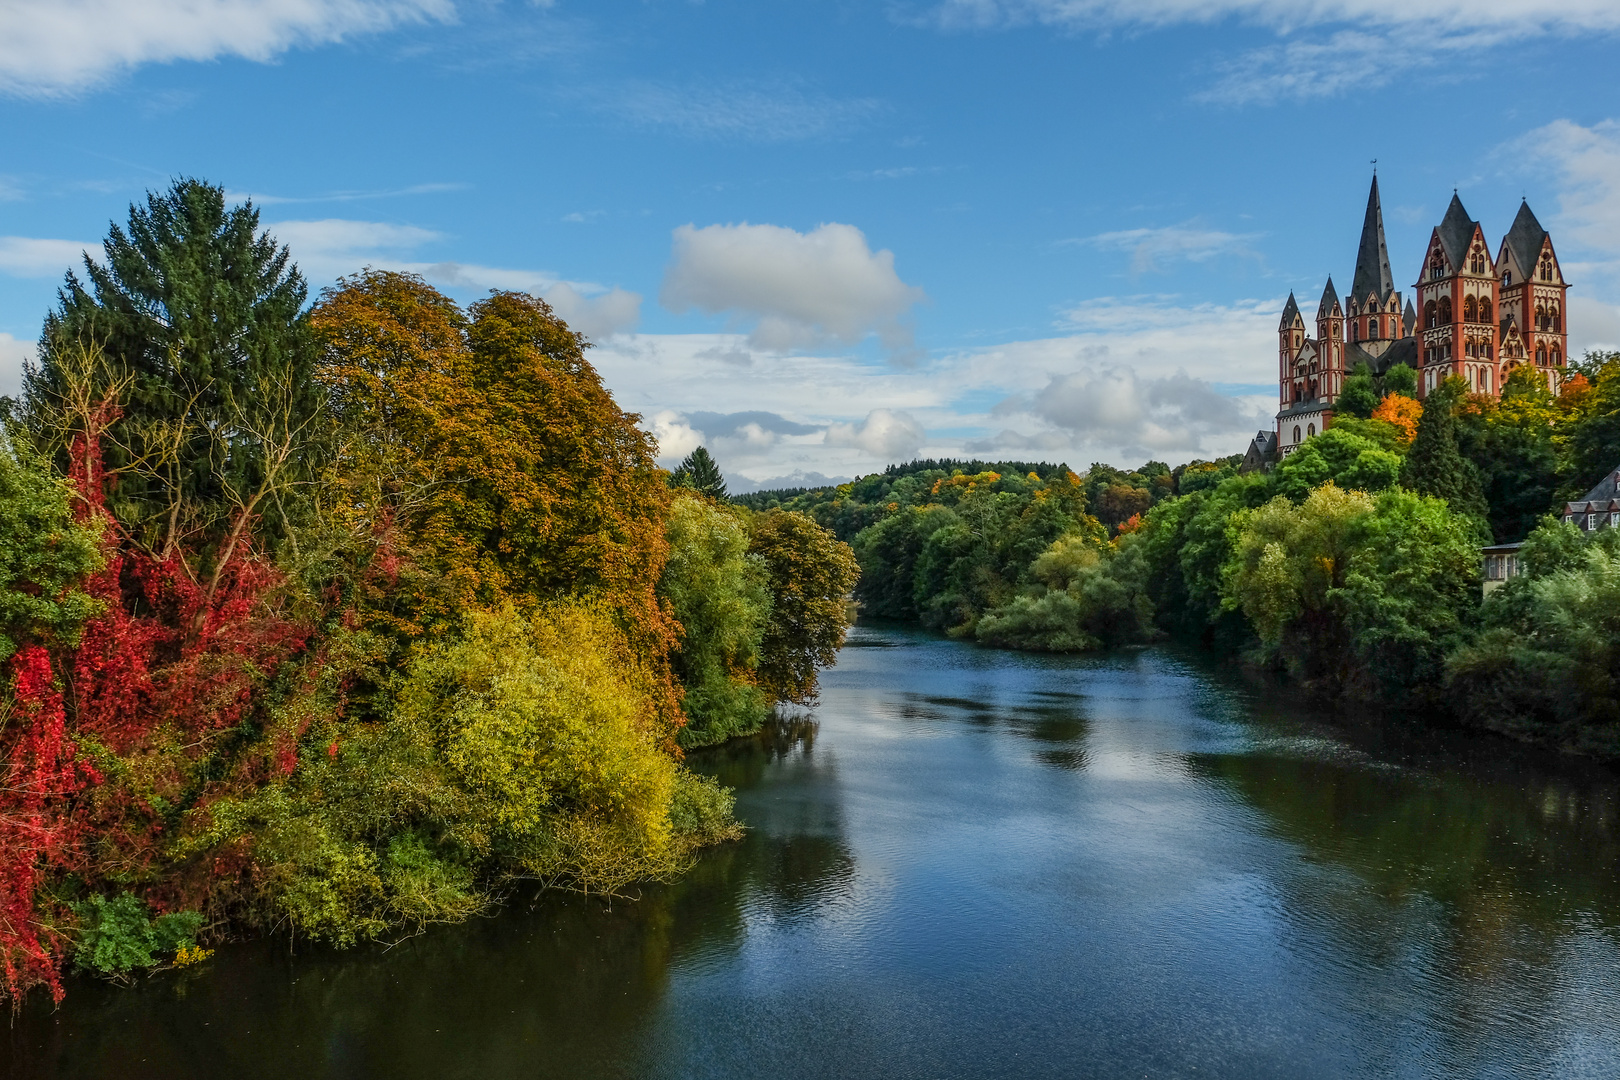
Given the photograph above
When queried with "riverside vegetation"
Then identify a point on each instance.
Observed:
(1353, 566)
(338, 621)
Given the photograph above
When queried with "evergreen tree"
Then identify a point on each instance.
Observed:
(700, 473)
(195, 328)
(1435, 466)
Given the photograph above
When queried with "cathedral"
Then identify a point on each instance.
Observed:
(1471, 316)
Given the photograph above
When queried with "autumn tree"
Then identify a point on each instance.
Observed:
(810, 574)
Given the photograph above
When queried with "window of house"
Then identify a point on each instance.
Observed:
(1296, 433)
(1310, 429)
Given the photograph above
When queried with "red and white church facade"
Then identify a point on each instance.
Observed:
(1472, 315)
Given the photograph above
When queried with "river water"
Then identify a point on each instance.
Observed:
(980, 864)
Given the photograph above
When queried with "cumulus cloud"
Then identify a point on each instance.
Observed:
(1150, 248)
(14, 353)
(330, 247)
(1118, 407)
(54, 47)
(1588, 164)
(885, 433)
(803, 289)
(28, 257)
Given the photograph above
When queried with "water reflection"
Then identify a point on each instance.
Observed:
(979, 864)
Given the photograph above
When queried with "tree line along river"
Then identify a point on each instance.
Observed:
(969, 863)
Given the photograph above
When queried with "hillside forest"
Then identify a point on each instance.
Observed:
(337, 620)
(1353, 566)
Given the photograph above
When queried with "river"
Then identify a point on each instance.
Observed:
(969, 863)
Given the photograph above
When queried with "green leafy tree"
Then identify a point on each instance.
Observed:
(1593, 438)
(1341, 456)
(1435, 466)
(1511, 445)
(1357, 594)
(810, 574)
(1359, 395)
(197, 329)
(44, 558)
(1546, 662)
(718, 593)
(700, 473)
(1399, 379)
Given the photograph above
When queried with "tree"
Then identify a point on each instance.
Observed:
(700, 473)
(1593, 407)
(1340, 456)
(1511, 444)
(197, 327)
(1357, 594)
(1435, 466)
(810, 574)
(1358, 396)
(717, 591)
(1401, 411)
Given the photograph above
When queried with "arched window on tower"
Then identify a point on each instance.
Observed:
(1296, 433)
(1554, 358)
(1541, 356)
(1355, 330)
(1430, 315)
(1553, 321)
(1445, 310)
(1310, 429)
(1484, 309)
(1436, 268)
(1470, 310)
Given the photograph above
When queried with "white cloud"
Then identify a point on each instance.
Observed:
(28, 257)
(1588, 163)
(838, 415)
(885, 433)
(1166, 415)
(1358, 44)
(1149, 248)
(53, 47)
(13, 354)
(1567, 15)
(803, 289)
(331, 247)
(676, 438)
(769, 112)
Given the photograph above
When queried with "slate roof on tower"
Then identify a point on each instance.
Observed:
(1525, 238)
(1410, 319)
(1456, 230)
(1330, 300)
(1372, 260)
(1290, 313)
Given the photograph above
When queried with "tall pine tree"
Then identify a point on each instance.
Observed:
(700, 473)
(1435, 466)
(195, 324)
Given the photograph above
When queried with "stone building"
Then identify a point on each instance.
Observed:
(1480, 318)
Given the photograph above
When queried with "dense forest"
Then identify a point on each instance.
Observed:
(338, 620)
(1353, 565)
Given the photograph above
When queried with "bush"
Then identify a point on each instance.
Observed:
(117, 936)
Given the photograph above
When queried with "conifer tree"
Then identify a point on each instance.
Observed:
(1435, 466)
(700, 473)
(196, 324)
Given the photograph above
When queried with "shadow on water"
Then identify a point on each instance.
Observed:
(552, 985)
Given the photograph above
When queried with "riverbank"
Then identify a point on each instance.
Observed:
(979, 863)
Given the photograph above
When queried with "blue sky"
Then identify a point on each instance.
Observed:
(820, 237)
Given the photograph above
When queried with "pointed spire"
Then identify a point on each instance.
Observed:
(1409, 319)
(1456, 229)
(1330, 300)
(1372, 259)
(1525, 238)
(1290, 313)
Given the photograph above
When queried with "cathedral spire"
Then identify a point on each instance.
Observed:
(1372, 260)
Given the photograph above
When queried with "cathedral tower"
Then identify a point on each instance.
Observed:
(1531, 326)
(1459, 300)
(1374, 307)
(1330, 342)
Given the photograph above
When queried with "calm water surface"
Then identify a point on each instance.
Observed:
(980, 864)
